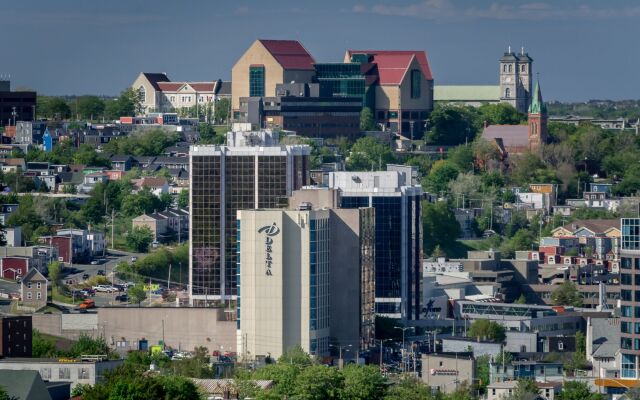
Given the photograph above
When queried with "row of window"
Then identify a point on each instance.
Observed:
(510, 68)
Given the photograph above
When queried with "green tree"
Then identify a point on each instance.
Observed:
(500, 114)
(41, 347)
(522, 240)
(139, 239)
(90, 107)
(88, 345)
(408, 388)
(362, 383)
(487, 330)
(440, 227)
(143, 202)
(462, 157)
(53, 107)
(367, 122)
(297, 356)
(137, 294)
(482, 372)
(128, 104)
(465, 187)
(451, 125)
(284, 376)
(574, 390)
(183, 198)
(221, 111)
(318, 382)
(525, 389)
(566, 294)
(369, 154)
(442, 172)
(87, 155)
(194, 367)
(55, 273)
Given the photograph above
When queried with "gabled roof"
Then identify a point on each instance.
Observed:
(392, 64)
(170, 86)
(33, 275)
(150, 182)
(155, 78)
(223, 88)
(290, 54)
(597, 226)
(24, 385)
(511, 135)
(203, 86)
(121, 158)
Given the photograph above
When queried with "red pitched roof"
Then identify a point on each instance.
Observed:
(392, 64)
(203, 86)
(169, 86)
(290, 54)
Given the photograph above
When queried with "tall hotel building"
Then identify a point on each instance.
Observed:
(630, 298)
(224, 180)
(398, 237)
(303, 280)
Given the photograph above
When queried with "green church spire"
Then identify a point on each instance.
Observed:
(537, 105)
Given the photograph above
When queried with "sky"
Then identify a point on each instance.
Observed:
(582, 49)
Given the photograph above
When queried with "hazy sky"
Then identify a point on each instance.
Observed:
(582, 49)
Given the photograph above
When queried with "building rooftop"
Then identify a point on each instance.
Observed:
(290, 54)
(155, 78)
(466, 93)
(511, 135)
(392, 65)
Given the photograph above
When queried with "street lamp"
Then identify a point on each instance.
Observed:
(382, 341)
(403, 349)
(340, 351)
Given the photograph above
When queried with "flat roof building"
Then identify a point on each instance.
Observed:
(316, 291)
(398, 253)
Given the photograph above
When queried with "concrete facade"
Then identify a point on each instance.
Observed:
(123, 327)
(447, 371)
(283, 295)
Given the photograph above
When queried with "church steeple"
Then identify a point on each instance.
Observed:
(537, 105)
(537, 120)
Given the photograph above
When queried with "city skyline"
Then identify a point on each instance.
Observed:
(73, 47)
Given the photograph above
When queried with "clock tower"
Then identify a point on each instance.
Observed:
(515, 79)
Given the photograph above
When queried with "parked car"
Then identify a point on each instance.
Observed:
(134, 259)
(88, 292)
(122, 297)
(87, 304)
(101, 272)
(105, 288)
(120, 287)
(95, 262)
(85, 276)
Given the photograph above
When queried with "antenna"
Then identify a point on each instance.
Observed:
(509, 48)
(522, 50)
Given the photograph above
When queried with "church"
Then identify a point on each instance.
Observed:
(517, 139)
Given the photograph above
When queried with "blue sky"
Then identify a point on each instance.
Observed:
(582, 49)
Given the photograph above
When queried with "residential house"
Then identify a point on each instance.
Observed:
(70, 181)
(166, 225)
(122, 162)
(226, 388)
(172, 163)
(12, 165)
(14, 267)
(13, 236)
(143, 162)
(6, 210)
(39, 256)
(157, 186)
(180, 177)
(114, 175)
(504, 390)
(34, 289)
(179, 150)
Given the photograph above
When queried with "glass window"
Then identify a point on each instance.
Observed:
(64, 373)
(256, 81)
(507, 93)
(626, 311)
(416, 81)
(625, 295)
(628, 365)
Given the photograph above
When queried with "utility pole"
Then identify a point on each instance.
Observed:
(169, 278)
(403, 349)
(112, 226)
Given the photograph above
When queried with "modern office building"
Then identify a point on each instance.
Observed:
(300, 282)
(224, 180)
(303, 108)
(630, 297)
(15, 106)
(398, 250)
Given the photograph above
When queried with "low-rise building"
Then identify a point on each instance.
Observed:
(504, 390)
(86, 370)
(446, 371)
(13, 267)
(534, 370)
(15, 336)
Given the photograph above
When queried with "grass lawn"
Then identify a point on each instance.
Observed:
(221, 129)
(57, 296)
